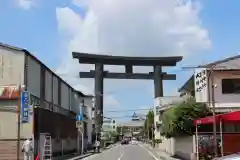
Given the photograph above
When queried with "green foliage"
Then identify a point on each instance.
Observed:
(178, 120)
(119, 129)
(157, 141)
(149, 124)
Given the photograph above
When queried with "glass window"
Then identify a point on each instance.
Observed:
(230, 86)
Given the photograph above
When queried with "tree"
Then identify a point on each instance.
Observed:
(178, 120)
(119, 130)
(149, 124)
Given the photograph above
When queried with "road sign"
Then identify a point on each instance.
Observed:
(24, 107)
(79, 117)
(79, 124)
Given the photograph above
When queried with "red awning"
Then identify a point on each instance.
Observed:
(225, 118)
(207, 120)
(231, 117)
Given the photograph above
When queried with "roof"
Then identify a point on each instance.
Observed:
(188, 84)
(220, 61)
(228, 67)
(41, 63)
(123, 60)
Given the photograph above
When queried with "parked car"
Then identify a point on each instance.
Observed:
(235, 156)
(124, 141)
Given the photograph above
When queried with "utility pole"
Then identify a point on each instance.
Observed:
(213, 112)
(19, 121)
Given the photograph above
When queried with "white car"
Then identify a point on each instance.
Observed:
(134, 140)
(229, 157)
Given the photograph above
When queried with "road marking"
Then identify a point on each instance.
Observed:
(101, 153)
(149, 152)
(119, 158)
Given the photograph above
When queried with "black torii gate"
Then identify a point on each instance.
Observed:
(99, 74)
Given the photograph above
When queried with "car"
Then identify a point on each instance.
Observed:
(125, 141)
(235, 156)
(134, 140)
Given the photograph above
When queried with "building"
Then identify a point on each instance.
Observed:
(162, 104)
(135, 126)
(224, 76)
(53, 104)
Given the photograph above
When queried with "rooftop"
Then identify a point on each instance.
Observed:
(123, 60)
(222, 65)
(41, 63)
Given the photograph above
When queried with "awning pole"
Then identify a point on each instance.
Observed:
(221, 134)
(197, 142)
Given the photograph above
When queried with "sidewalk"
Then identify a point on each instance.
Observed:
(77, 157)
(73, 156)
(158, 153)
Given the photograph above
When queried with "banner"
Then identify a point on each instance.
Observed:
(24, 107)
(201, 85)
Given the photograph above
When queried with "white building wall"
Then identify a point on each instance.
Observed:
(231, 101)
(161, 104)
(11, 66)
(12, 74)
(223, 102)
(88, 104)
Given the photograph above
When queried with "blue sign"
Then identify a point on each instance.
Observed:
(79, 117)
(24, 107)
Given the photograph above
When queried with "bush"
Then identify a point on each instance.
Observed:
(178, 120)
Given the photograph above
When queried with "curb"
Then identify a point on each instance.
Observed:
(80, 157)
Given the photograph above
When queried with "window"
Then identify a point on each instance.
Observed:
(230, 86)
(113, 121)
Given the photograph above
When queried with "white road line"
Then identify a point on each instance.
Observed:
(119, 158)
(149, 152)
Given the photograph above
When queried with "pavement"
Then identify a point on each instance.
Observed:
(89, 153)
(128, 152)
(161, 155)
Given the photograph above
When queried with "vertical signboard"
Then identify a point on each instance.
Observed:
(201, 85)
(24, 107)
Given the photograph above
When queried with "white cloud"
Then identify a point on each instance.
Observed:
(130, 28)
(25, 4)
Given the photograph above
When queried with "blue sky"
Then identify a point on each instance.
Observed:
(36, 28)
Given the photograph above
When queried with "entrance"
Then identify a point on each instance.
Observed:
(99, 74)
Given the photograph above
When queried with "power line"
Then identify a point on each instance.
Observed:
(121, 117)
(132, 110)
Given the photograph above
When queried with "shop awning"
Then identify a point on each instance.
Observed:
(207, 120)
(232, 117)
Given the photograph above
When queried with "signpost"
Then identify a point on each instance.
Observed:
(79, 125)
(24, 107)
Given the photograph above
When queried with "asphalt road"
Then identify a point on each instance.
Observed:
(123, 152)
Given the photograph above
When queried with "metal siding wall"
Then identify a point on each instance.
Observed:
(64, 96)
(76, 104)
(72, 99)
(48, 86)
(12, 67)
(55, 90)
(33, 76)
